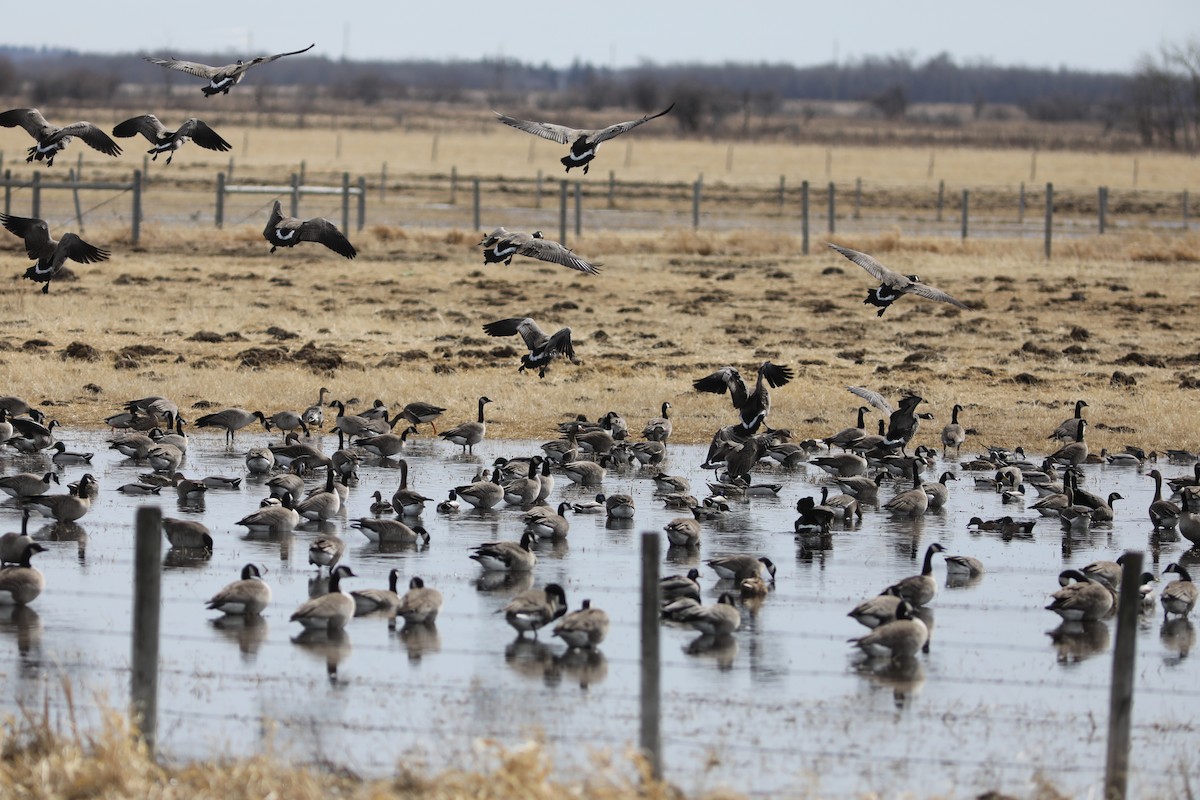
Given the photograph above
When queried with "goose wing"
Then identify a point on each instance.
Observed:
(76, 249)
(723, 380)
(874, 398)
(877, 270)
(604, 134)
(28, 118)
(547, 130)
(202, 135)
(776, 374)
(529, 330)
(560, 344)
(90, 134)
(325, 232)
(931, 292)
(268, 59)
(147, 125)
(190, 67)
(555, 253)
(34, 231)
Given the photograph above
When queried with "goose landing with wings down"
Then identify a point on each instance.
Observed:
(221, 79)
(892, 284)
(168, 141)
(543, 348)
(583, 142)
(752, 407)
(51, 139)
(501, 245)
(51, 254)
(284, 231)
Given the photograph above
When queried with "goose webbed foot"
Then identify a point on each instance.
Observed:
(46, 288)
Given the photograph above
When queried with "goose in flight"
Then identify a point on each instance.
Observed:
(51, 254)
(583, 142)
(284, 231)
(752, 407)
(52, 139)
(220, 79)
(168, 141)
(501, 245)
(543, 348)
(892, 284)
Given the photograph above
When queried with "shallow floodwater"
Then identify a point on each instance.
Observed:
(1001, 698)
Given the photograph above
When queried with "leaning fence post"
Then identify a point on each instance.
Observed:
(220, 212)
(966, 205)
(1102, 207)
(147, 596)
(941, 199)
(804, 217)
(1120, 701)
(295, 212)
(562, 212)
(35, 201)
(696, 187)
(74, 179)
(135, 233)
(475, 202)
(782, 193)
(578, 210)
(1049, 215)
(651, 688)
(832, 207)
(345, 202)
(362, 201)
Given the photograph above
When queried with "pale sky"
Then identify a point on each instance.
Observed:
(1098, 36)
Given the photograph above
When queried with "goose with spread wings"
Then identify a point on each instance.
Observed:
(583, 142)
(220, 79)
(543, 348)
(52, 139)
(501, 245)
(284, 231)
(168, 141)
(51, 254)
(892, 284)
(752, 407)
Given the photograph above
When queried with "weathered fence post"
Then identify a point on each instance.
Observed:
(454, 186)
(562, 212)
(383, 182)
(1102, 207)
(79, 165)
(135, 232)
(628, 153)
(782, 194)
(1049, 215)
(475, 200)
(578, 209)
(8, 196)
(1120, 700)
(966, 206)
(345, 202)
(651, 688)
(612, 189)
(35, 201)
(729, 159)
(74, 179)
(147, 597)
(858, 198)
(362, 201)
(1021, 205)
(804, 217)
(941, 199)
(295, 202)
(1033, 166)
(832, 208)
(537, 198)
(1185, 205)
(303, 172)
(696, 188)
(433, 150)
(220, 212)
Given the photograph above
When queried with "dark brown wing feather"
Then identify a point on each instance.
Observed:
(529, 330)
(203, 135)
(147, 125)
(35, 232)
(547, 130)
(76, 249)
(28, 118)
(190, 67)
(325, 232)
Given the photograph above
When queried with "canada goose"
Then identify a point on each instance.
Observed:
(900, 638)
(939, 492)
(1068, 429)
(847, 505)
(860, 486)
(1074, 453)
(878, 610)
(281, 518)
(738, 568)
(51, 139)
(407, 502)
(545, 480)
(813, 518)
(1163, 513)
(232, 420)
(954, 434)
(1086, 599)
(248, 596)
(583, 629)
(49, 253)
(619, 506)
(501, 245)
(1178, 597)
(506, 555)
(468, 434)
(64, 507)
(168, 141)
(547, 523)
(1189, 520)
(369, 601)
(659, 428)
(1106, 572)
(919, 590)
(286, 421)
(522, 492)
(534, 608)
(675, 610)
(683, 532)
(314, 415)
(543, 347)
(1102, 508)
(673, 587)
(187, 489)
(174, 436)
(752, 407)
(715, 510)
(293, 450)
(848, 436)
(1146, 592)
(892, 285)
(385, 445)
(20, 585)
(15, 406)
(89, 488)
(843, 465)
(289, 482)
(719, 619)
(326, 551)
(187, 533)
(420, 604)
(912, 503)
(259, 460)
(329, 611)
(282, 231)
(418, 412)
(1180, 482)
(902, 422)
(324, 504)
(220, 79)
(12, 544)
(390, 531)
(584, 142)
(482, 494)
(962, 567)
(25, 485)
(164, 458)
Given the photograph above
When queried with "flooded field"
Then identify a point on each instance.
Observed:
(1004, 698)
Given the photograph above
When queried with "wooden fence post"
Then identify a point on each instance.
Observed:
(362, 201)
(1120, 701)
(832, 208)
(782, 194)
(303, 172)
(74, 179)
(562, 212)
(220, 212)
(1185, 206)
(578, 210)
(295, 212)
(966, 205)
(696, 188)
(35, 201)
(537, 197)
(135, 232)
(804, 217)
(1033, 166)
(651, 672)
(453, 186)
(941, 199)
(1021, 205)
(612, 189)
(1102, 207)
(147, 598)
(383, 182)
(1049, 215)
(345, 202)
(475, 202)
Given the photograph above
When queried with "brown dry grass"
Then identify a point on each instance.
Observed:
(402, 322)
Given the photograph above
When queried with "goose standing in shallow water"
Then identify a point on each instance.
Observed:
(919, 590)
(282, 231)
(420, 604)
(954, 434)
(51, 139)
(583, 141)
(50, 254)
(720, 619)
(501, 245)
(893, 285)
(584, 629)
(1179, 597)
(330, 611)
(543, 348)
(468, 434)
(1085, 600)
(533, 609)
(1068, 429)
(1163, 513)
(220, 79)
(232, 420)
(248, 596)
(165, 140)
(900, 638)
(20, 585)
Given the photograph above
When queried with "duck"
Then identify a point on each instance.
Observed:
(448, 506)
(752, 407)
(506, 555)
(676, 500)
(232, 420)
(582, 629)
(326, 551)
(420, 604)
(892, 285)
(1085, 599)
(188, 490)
(1181, 482)
(501, 245)
(738, 568)
(469, 434)
(50, 254)
(51, 139)
(813, 518)
(64, 457)
(21, 585)
(187, 534)
(248, 596)
(912, 503)
(483, 494)
(543, 347)
(1178, 597)
(1164, 515)
(919, 590)
(619, 506)
(221, 79)
(24, 485)
(683, 532)
(900, 638)
(658, 429)
(369, 601)
(282, 518)
(380, 506)
(954, 434)
(330, 611)
(719, 619)
(165, 140)
(938, 493)
(584, 141)
(535, 608)
(390, 531)
(1068, 429)
(284, 231)
(594, 506)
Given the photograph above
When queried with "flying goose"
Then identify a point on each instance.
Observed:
(900, 638)
(232, 420)
(52, 139)
(1086, 599)
(220, 79)
(20, 585)
(902, 422)
(583, 141)
(329, 611)
(583, 629)
(534, 608)
(168, 141)
(919, 590)
(752, 407)
(543, 348)
(892, 284)
(420, 604)
(1179, 597)
(284, 231)
(50, 254)
(248, 596)
(501, 245)
(468, 434)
